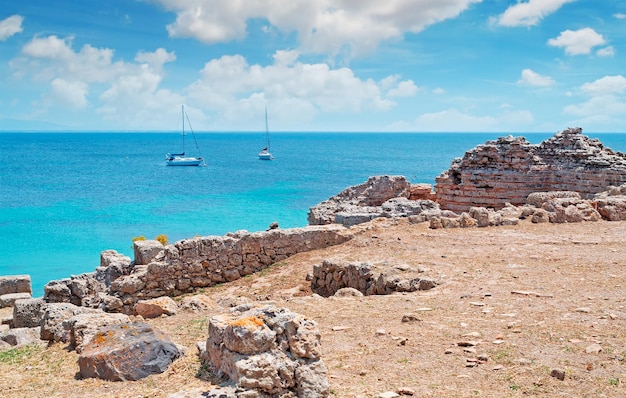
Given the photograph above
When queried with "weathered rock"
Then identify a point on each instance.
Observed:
(54, 324)
(199, 303)
(267, 350)
(156, 307)
(369, 279)
(21, 336)
(84, 326)
(612, 203)
(7, 300)
(27, 313)
(15, 284)
(127, 352)
(510, 169)
(537, 199)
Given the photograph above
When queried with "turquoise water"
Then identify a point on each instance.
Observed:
(65, 197)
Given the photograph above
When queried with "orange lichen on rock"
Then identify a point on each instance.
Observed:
(250, 322)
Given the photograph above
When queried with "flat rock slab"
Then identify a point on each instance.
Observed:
(127, 352)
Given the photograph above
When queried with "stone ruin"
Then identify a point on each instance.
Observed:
(331, 276)
(509, 169)
(118, 285)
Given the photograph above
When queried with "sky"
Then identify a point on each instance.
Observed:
(316, 65)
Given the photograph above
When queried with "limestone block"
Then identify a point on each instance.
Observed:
(27, 313)
(15, 284)
(145, 251)
(83, 327)
(7, 300)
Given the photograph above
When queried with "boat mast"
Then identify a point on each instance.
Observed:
(182, 113)
(267, 131)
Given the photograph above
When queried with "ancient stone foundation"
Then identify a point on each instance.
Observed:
(508, 169)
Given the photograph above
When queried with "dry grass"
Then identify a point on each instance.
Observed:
(531, 297)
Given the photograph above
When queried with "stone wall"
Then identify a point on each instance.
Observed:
(186, 266)
(508, 169)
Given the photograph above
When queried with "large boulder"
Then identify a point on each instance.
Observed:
(127, 352)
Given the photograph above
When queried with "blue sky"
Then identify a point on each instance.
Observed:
(318, 65)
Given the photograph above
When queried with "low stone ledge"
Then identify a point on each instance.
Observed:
(369, 279)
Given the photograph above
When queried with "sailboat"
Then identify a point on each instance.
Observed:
(265, 153)
(179, 159)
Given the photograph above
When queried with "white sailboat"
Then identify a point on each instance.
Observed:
(265, 153)
(180, 159)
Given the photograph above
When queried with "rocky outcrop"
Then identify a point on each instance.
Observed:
(266, 352)
(127, 352)
(380, 196)
(330, 276)
(508, 169)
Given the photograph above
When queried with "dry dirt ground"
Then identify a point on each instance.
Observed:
(514, 304)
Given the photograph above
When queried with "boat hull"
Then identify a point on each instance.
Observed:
(265, 155)
(189, 161)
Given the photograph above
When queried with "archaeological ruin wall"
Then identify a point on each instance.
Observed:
(508, 169)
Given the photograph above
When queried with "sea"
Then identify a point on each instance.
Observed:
(67, 196)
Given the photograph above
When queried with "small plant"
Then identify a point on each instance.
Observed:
(614, 381)
(162, 238)
(514, 387)
(135, 239)
(15, 355)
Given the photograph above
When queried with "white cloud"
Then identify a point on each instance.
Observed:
(10, 26)
(71, 93)
(532, 78)
(451, 120)
(578, 42)
(322, 26)
(606, 52)
(404, 89)
(606, 103)
(230, 83)
(128, 92)
(156, 59)
(620, 16)
(606, 85)
(530, 12)
(439, 91)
